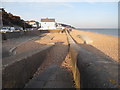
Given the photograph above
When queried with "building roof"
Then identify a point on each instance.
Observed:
(47, 20)
(32, 21)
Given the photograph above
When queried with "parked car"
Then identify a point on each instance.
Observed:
(12, 29)
(29, 29)
(5, 29)
(20, 28)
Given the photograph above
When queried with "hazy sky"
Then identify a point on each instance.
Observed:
(78, 14)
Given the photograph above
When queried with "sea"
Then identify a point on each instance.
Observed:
(106, 31)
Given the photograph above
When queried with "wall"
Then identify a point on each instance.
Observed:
(51, 31)
(9, 35)
(18, 70)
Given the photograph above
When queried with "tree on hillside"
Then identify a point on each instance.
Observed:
(11, 20)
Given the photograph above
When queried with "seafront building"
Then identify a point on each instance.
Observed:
(33, 23)
(48, 23)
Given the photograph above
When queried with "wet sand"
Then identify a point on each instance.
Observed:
(105, 43)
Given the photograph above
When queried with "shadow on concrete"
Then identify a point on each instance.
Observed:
(53, 77)
(18, 69)
(18, 34)
(97, 70)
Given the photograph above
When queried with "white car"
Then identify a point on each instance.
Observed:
(5, 29)
(12, 29)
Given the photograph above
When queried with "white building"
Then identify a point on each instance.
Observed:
(59, 26)
(47, 24)
(33, 23)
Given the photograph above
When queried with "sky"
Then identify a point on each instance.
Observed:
(77, 14)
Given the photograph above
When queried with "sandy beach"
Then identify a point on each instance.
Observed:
(105, 43)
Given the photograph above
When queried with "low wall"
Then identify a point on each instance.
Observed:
(17, 34)
(9, 35)
(73, 54)
(97, 71)
(50, 31)
(17, 70)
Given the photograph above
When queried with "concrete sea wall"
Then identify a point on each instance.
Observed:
(91, 70)
(17, 70)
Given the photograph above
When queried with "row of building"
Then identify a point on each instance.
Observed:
(10, 20)
(45, 24)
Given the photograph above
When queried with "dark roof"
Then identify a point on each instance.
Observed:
(47, 20)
